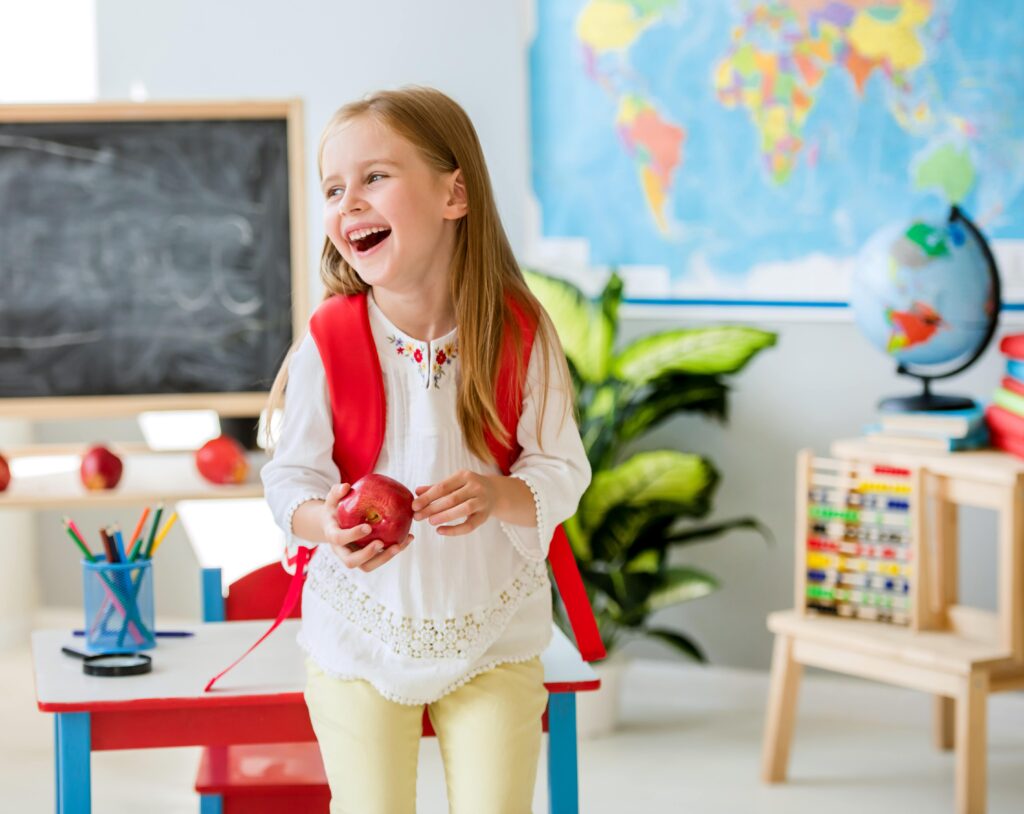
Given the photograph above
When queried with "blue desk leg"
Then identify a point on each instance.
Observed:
(72, 755)
(563, 783)
(210, 804)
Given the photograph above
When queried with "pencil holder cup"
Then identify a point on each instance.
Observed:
(119, 614)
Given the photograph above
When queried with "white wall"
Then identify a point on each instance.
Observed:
(820, 383)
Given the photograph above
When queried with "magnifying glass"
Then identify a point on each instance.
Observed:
(112, 664)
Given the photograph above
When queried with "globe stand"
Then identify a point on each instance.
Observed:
(926, 400)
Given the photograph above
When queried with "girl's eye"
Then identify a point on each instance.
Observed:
(374, 175)
(334, 190)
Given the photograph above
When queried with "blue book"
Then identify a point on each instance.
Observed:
(1015, 368)
(935, 423)
(976, 439)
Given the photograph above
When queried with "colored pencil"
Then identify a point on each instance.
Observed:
(148, 550)
(108, 546)
(78, 541)
(136, 538)
(75, 529)
(119, 542)
(160, 634)
(163, 533)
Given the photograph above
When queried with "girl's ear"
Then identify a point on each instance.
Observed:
(457, 204)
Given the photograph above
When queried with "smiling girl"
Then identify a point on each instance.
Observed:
(431, 362)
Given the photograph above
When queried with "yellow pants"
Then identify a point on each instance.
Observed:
(489, 731)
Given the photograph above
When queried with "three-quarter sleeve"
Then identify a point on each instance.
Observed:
(557, 470)
(302, 467)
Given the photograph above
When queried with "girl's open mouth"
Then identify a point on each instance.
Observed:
(365, 245)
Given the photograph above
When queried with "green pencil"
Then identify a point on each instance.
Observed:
(152, 532)
(79, 542)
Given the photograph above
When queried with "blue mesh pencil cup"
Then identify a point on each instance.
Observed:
(118, 599)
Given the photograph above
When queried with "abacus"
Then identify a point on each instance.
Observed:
(858, 549)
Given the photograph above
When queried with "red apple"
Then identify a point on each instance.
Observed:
(382, 502)
(5, 473)
(222, 460)
(100, 469)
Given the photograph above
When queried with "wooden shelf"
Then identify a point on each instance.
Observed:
(982, 465)
(148, 477)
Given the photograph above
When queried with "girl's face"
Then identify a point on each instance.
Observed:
(390, 215)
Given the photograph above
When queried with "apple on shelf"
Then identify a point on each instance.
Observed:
(382, 502)
(100, 468)
(222, 460)
(5, 473)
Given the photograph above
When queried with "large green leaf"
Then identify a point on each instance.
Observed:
(699, 533)
(587, 332)
(670, 395)
(684, 644)
(703, 351)
(615, 538)
(648, 479)
(680, 584)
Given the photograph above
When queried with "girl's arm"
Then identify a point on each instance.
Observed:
(302, 471)
(552, 469)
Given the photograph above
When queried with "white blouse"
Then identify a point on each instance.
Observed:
(446, 608)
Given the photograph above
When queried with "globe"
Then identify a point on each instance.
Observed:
(926, 293)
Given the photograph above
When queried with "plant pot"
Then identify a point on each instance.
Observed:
(597, 712)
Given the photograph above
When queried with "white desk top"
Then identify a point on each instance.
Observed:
(183, 666)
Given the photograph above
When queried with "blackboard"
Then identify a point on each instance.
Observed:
(144, 256)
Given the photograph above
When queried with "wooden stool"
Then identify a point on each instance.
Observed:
(956, 653)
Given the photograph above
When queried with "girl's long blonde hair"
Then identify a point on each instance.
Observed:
(483, 274)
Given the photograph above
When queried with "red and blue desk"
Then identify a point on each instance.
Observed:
(260, 701)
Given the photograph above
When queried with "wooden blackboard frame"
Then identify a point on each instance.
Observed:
(289, 111)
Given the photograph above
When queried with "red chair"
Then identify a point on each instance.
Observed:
(257, 778)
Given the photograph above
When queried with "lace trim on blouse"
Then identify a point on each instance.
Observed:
(516, 539)
(415, 702)
(452, 638)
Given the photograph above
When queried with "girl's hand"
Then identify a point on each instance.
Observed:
(366, 557)
(465, 494)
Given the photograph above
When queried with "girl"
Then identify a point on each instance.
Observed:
(425, 305)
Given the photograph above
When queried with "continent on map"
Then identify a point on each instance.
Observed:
(914, 326)
(656, 147)
(608, 29)
(781, 52)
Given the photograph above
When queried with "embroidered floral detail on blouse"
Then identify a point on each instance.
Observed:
(429, 370)
(414, 353)
(443, 359)
(451, 638)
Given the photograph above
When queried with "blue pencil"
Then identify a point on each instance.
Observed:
(120, 544)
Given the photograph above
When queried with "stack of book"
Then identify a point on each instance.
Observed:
(1005, 416)
(938, 430)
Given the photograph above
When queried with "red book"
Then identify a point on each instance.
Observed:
(1002, 422)
(1013, 385)
(1010, 443)
(1012, 345)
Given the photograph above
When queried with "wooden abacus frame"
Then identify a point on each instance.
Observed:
(851, 477)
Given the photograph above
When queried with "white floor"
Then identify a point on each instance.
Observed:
(690, 742)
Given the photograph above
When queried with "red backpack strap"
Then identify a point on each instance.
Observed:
(291, 599)
(574, 597)
(355, 383)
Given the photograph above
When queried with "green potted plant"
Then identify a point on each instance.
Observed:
(641, 507)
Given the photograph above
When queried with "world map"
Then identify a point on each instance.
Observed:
(749, 149)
